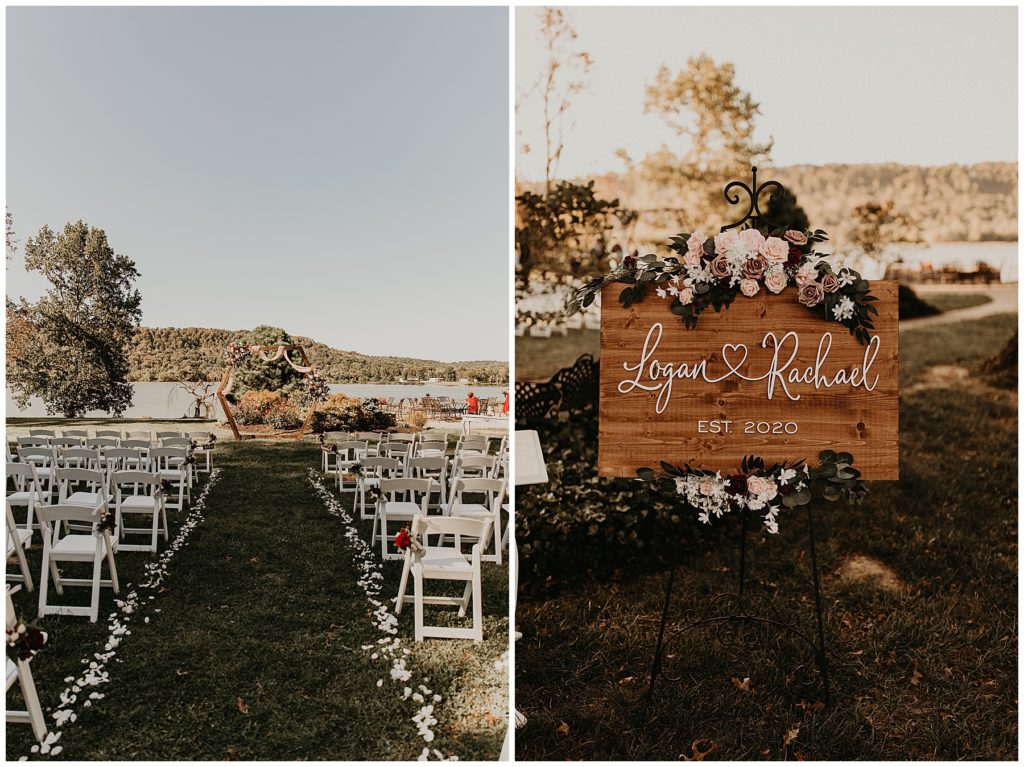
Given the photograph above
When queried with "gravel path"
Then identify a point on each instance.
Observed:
(1004, 299)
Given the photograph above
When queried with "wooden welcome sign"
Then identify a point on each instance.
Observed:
(764, 376)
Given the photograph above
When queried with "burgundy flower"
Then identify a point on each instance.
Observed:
(629, 261)
(736, 484)
(785, 489)
(795, 254)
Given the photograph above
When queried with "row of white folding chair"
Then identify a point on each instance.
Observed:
(401, 498)
(100, 488)
(170, 463)
(437, 469)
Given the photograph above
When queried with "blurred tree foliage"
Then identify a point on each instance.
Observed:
(565, 230)
(69, 348)
(254, 374)
(715, 120)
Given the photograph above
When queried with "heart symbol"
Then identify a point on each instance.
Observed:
(727, 349)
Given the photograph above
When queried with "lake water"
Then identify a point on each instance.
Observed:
(966, 255)
(168, 400)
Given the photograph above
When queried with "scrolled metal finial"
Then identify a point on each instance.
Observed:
(754, 193)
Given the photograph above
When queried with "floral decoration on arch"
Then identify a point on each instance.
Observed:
(767, 490)
(711, 272)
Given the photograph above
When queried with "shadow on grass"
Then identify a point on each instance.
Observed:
(920, 587)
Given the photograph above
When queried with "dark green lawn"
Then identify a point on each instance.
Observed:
(920, 587)
(256, 651)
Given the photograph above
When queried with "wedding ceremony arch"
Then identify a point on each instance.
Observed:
(266, 353)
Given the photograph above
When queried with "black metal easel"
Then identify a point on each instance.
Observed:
(729, 609)
(742, 608)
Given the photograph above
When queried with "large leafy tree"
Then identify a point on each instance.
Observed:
(80, 329)
(715, 121)
(252, 373)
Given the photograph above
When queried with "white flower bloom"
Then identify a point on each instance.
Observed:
(843, 310)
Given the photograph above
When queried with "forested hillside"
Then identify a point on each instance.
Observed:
(948, 203)
(173, 354)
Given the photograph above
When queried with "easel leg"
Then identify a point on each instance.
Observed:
(656, 666)
(822, 657)
(743, 552)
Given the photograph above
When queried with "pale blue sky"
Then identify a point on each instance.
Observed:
(913, 85)
(339, 172)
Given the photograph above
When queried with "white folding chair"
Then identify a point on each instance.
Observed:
(473, 466)
(79, 458)
(143, 435)
(25, 492)
(45, 461)
(20, 671)
(51, 433)
(60, 443)
(82, 487)
(436, 470)
(82, 434)
(18, 538)
(371, 438)
(375, 470)
(391, 509)
(493, 491)
(170, 464)
(139, 493)
(94, 546)
(349, 453)
(205, 442)
(165, 435)
(108, 434)
(32, 441)
(430, 449)
(445, 563)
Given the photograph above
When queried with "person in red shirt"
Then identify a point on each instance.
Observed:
(504, 406)
(474, 404)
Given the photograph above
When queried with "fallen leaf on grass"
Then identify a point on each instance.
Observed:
(562, 729)
(491, 718)
(242, 705)
(180, 672)
(626, 679)
(231, 754)
(699, 750)
(791, 735)
(743, 686)
(916, 678)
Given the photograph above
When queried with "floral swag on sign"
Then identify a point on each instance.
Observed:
(711, 273)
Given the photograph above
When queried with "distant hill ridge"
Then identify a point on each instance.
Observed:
(171, 354)
(949, 203)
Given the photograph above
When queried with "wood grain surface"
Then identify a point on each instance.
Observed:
(841, 417)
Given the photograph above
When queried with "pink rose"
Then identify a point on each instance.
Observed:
(757, 485)
(776, 250)
(707, 487)
(775, 280)
(795, 237)
(830, 283)
(811, 294)
(686, 296)
(749, 288)
(726, 242)
(754, 267)
(806, 273)
(752, 241)
(770, 491)
(720, 267)
(695, 248)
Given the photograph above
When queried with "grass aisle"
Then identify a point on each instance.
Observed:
(255, 652)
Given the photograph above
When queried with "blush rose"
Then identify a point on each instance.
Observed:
(811, 294)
